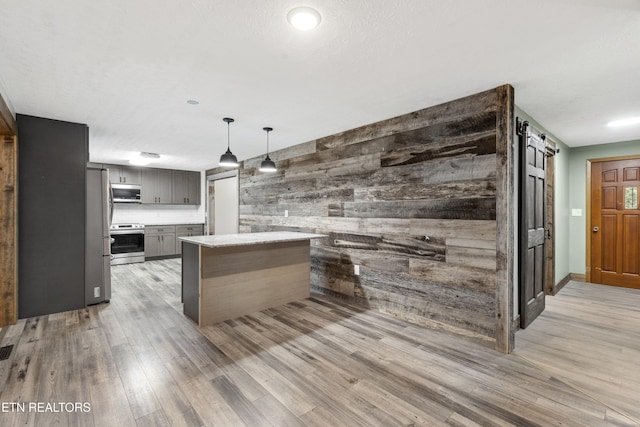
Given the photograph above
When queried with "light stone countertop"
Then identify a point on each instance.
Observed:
(243, 239)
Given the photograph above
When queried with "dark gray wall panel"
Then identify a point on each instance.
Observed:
(51, 215)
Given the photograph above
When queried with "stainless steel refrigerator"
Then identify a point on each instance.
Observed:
(98, 245)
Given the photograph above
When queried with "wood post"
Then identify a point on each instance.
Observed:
(505, 205)
(8, 229)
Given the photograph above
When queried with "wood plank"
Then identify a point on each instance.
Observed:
(448, 190)
(505, 203)
(472, 278)
(476, 141)
(8, 229)
(8, 124)
(471, 208)
(472, 253)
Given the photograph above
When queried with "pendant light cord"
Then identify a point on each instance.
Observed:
(267, 129)
(228, 136)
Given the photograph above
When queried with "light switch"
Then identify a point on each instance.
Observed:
(576, 212)
(356, 269)
(286, 213)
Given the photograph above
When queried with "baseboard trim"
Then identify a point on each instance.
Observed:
(561, 284)
(515, 324)
(578, 277)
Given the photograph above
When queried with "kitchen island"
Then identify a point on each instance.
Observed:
(230, 275)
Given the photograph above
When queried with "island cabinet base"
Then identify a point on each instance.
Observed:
(239, 280)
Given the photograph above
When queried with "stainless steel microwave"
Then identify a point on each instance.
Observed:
(126, 193)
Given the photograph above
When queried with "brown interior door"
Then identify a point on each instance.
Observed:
(532, 221)
(615, 223)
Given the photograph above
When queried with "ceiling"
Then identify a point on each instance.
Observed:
(127, 68)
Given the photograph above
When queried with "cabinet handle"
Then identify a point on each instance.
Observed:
(125, 179)
(187, 200)
(159, 199)
(163, 238)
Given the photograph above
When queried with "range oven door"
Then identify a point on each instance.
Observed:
(127, 246)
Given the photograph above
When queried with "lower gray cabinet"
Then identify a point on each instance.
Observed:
(164, 240)
(159, 241)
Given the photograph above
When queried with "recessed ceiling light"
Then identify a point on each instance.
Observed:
(192, 102)
(304, 18)
(624, 122)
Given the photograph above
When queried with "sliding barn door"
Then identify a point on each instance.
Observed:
(615, 223)
(533, 161)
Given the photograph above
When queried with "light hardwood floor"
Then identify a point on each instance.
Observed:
(317, 362)
(589, 338)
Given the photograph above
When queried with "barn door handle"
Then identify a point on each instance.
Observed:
(595, 229)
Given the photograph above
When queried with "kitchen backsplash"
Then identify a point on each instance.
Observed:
(158, 214)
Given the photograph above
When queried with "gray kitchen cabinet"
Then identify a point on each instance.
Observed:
(120, 174)
(186, 188)
(159, 241)
(187, 231)
(151, 245)
(156, 186)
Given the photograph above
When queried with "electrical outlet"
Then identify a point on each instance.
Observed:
(286, 213)
(356, 269)
(96, 292)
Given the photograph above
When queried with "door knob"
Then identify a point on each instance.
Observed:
(595, 229)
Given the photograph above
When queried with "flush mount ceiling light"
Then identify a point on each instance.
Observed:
(624, 122)
(144, 158)
(304, 18)
(267, 164)
(228, 159)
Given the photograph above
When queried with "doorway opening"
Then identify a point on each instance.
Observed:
(223, 203)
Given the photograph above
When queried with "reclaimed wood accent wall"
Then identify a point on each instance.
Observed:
(412, 200)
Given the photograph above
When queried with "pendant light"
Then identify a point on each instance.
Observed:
(228, 159)
(267, 164)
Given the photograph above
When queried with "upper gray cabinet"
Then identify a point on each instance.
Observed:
(159, 186)
(119, 174)
(156, 186)
(186, 188)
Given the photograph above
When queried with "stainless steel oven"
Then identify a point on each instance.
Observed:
(127, 243)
